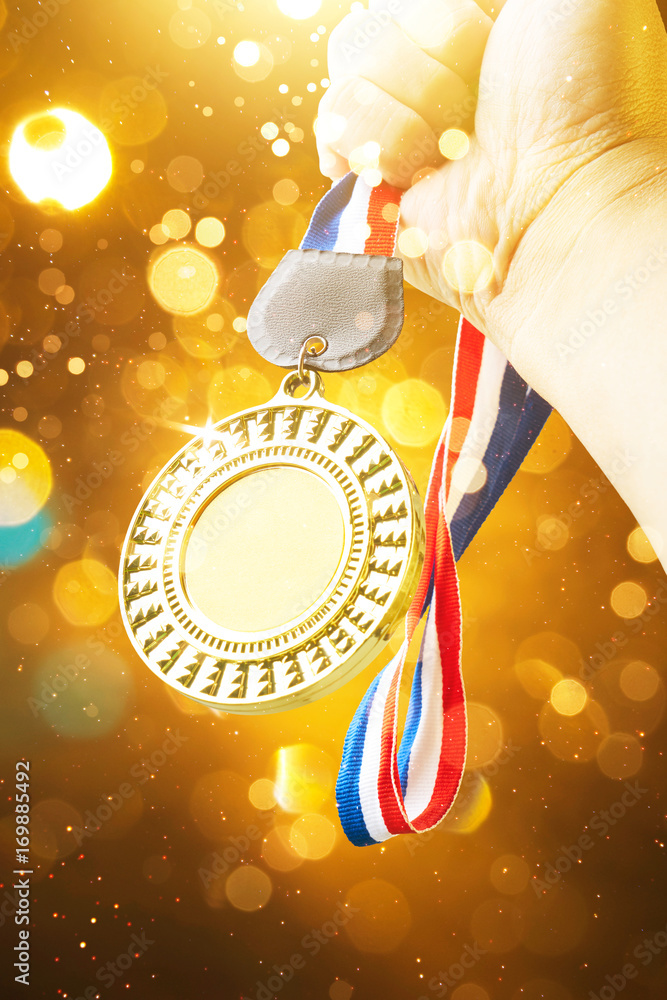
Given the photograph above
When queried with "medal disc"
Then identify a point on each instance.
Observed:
(273, 557)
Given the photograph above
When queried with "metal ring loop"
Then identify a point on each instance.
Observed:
(316, 339)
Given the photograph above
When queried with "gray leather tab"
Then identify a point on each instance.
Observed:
(355, 300)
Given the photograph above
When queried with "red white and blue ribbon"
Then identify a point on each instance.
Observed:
(385, 788)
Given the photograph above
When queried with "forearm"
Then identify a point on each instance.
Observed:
(588, 327)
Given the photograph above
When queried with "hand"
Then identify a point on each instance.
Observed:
(567, 90)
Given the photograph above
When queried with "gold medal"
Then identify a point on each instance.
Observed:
(272, 558)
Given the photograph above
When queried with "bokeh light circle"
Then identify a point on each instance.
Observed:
(628, 599)
(485, 735)
(413, 242)
(639, 681)
(183, 280)
(185, 173)
(568, 696)
(210, 333)
(247, 53)
(299, 9)
(473, 805)
(176, 223)
(248, 888)
(209, 232)
(25, 478)
(80, 691)
(85, 592)
(340, 990)
(470, 991)
(468, 267)
(22, 542)
(313, 836)
(262, 794)
(454, 144)
(59, 155)
(382, 916)
(620, 756)
(286, 191)
(414, 412)
(277, 849)
(644, 546)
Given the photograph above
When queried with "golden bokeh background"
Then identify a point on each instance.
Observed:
(191, 155)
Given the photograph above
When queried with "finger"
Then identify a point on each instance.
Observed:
(378, 50)
(404, 142)
(454, 32)
(332, 164)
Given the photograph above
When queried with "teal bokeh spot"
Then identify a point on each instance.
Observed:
(81, 691)
(19, 543)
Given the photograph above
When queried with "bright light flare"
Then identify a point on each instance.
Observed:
(247, 53)
(60, 156)
(299, 10)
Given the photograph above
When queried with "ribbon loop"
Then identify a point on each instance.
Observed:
(385, 787)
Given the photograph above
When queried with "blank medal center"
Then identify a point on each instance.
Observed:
(264, 549)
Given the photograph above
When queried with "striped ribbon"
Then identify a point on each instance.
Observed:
(385, 788)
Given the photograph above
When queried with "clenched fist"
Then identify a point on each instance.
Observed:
(544, 88)
(547, 224)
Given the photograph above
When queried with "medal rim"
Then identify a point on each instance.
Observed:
(369, 648)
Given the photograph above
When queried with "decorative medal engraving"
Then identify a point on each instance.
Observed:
(272, 558)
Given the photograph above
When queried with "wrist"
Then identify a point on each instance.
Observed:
(587, 241)
(582, 316)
